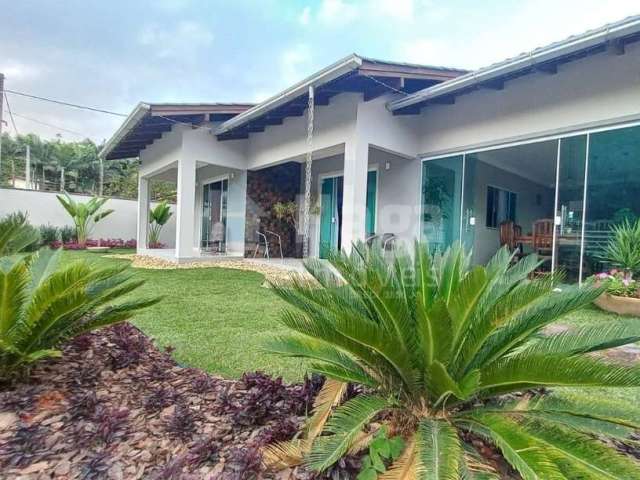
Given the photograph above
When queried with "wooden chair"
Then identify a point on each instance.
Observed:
(543, 241)
(509, 233)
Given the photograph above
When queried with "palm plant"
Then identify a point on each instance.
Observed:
(84, 215)
(16, 234)
(623, 248)
(43, 305)
(158, 217)
(452, 356)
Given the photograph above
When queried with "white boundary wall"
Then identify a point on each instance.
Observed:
(44, 208)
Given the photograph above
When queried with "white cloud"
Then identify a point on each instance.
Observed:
(295, 63)
(305, 16)
(395, 9)
(181, 41)
(337, 12)
(19, 71)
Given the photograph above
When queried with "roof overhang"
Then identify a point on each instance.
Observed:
(612, 37)
(148, 121)
(351, 74)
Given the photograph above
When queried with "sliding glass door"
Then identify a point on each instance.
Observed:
(214, 216)
(613, 190)
(441, 201)
(562, 196)
(570, 205)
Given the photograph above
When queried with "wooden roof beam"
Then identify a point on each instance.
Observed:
(412, 110)
(616, 47)
(497, 84)
(546, 68)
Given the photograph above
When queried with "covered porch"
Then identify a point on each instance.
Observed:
(210, 211)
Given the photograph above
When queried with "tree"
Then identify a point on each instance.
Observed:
(84, 214)
(453, 358)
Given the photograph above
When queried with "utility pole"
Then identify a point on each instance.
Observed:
(1, 109)
(27, 172)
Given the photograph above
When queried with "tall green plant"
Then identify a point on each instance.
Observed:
(450, 354)
(85, 215)
(42, 305)
(16, 234)
(158, 218)
(623, 248)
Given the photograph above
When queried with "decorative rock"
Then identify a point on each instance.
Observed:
(8, 420)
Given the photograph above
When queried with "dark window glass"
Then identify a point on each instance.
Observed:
(501, 206)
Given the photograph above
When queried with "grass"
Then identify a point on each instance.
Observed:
(216, 319)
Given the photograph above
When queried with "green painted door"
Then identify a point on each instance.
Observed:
(372, 191)
(330, 215)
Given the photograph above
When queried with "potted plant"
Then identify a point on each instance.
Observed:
(85, 216)
(622, 293)
(158, 218)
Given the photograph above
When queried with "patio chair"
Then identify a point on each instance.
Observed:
(217, 236)
(387, 240)
(261, 240)
(276, 236)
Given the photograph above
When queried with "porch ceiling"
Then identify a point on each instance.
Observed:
(148, 122)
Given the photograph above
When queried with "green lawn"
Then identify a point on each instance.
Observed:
(216, 319)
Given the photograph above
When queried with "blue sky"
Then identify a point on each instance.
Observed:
(115, 53)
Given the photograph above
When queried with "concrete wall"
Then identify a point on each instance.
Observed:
(43, 208)
(600, 88)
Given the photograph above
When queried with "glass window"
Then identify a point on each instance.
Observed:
(441, 197)
(570, 205)
(501, 206)
(613, 189)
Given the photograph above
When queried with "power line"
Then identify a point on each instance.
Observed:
(50, 125)
(66, 104)
(13, 122)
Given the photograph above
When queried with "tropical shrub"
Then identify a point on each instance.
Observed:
(158, 217)
(452, 358)
(623, 248)
(85, 215)
(16, 234)
(42, 305)
(49, 234)
(67, 234)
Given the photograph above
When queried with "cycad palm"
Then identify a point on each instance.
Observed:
(440, 344)
(43, 305)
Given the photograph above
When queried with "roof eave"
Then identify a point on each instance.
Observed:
(130, 122)
(545, 54)
(325, 75)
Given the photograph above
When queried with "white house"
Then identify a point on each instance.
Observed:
(540, 151)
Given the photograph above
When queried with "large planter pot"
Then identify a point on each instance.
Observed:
(619, 305)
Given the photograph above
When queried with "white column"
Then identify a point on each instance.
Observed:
(186, 208)
(354, 197)
(143, 212)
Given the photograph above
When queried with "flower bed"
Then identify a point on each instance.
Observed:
(622, 295)
(103, 242)
(116, 407)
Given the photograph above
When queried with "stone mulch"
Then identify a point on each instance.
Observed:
(271, 272)
(114, 407)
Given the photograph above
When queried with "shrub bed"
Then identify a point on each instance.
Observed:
(115, 407)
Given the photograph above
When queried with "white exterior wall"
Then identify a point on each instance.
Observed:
(43, 208)
(334, 125)
(599, 88)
